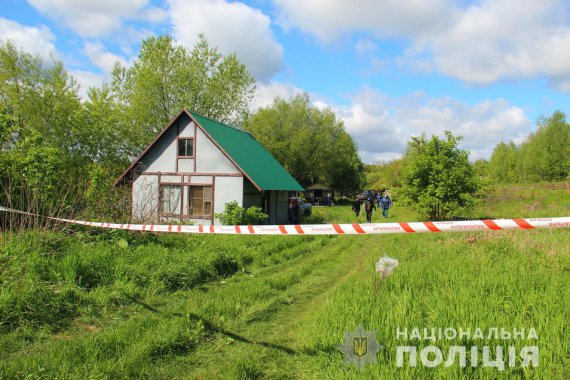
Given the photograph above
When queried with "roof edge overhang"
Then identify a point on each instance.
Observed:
(222, 149)
(121, 179)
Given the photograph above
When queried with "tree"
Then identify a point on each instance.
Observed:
(107, 140)
(439, 180)
(384, 176)
(309, 142)
(167, 77)
(57, 150)
(505, 162)
(546, 153)
(544, 156)
(42, 153)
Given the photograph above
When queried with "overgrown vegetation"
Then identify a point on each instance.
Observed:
(233, 215)
(85, 303)
(59, 154)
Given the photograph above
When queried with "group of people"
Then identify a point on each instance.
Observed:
(368, 202)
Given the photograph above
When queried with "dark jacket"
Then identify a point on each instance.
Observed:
(386, 202)
(369, 206)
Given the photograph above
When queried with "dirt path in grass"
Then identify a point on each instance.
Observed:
(287, 320)
(276, 337)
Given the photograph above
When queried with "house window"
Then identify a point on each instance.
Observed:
(200, 201)
(186, 147)
(170, 201)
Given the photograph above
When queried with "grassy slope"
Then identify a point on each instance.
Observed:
(171, 307)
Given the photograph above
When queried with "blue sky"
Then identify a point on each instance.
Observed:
(389, 69)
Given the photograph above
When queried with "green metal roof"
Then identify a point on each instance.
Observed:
(253, 159)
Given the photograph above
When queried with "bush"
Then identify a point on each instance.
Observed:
(439, 180)
(234, 214)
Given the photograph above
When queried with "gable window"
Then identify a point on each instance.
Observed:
(200, 201)
(170, 201)
(185, 147)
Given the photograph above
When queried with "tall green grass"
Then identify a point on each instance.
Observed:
(92, 304)
(509, 281)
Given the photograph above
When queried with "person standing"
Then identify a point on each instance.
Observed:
(294, 211)
(356, 206)
(369, 206)
(385, 203)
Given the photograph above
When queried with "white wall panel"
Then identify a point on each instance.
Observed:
(162, 156)
(186, 128)
(201, 179)
(185, 165)
(145, 198)
(227, 189)
(210, 159)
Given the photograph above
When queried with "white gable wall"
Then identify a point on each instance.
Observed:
(161, 157)
(161, 164)
(210, 159)
(185, 127)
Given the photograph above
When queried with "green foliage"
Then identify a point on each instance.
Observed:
(439, 180)
(102, 200)
(234, 214)
(544, 156)
(37, 165)
(85, 305)
(42, 149)
(107, 139)
(255, 215)
(546, 153)
(384, 176)
(504, 163)
(311, 143)
(166, 77)
(59, 153)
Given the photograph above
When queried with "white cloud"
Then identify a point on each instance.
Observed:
(382, 125)
(101, 58)
(365, 46)
(502, 39)
(267, 92)
(330, 19)
(482, 42)
(36, 40)
(93, 18)
(233, 28)
(87, 79)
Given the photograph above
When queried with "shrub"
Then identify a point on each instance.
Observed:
(439, 180)
(234, 214)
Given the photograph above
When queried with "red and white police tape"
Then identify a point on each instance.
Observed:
(328, 229)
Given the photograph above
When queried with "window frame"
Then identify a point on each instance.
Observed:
(190, 207)
(161, 198)
(178, 139)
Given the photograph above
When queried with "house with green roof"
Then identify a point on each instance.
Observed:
(196, 165)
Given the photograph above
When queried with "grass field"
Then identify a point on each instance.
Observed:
(92, 304)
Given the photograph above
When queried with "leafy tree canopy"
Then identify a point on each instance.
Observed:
(310, 142)
(438, 178)
(166, 77)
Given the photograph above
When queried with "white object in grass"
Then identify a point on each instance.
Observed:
(386, 265)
